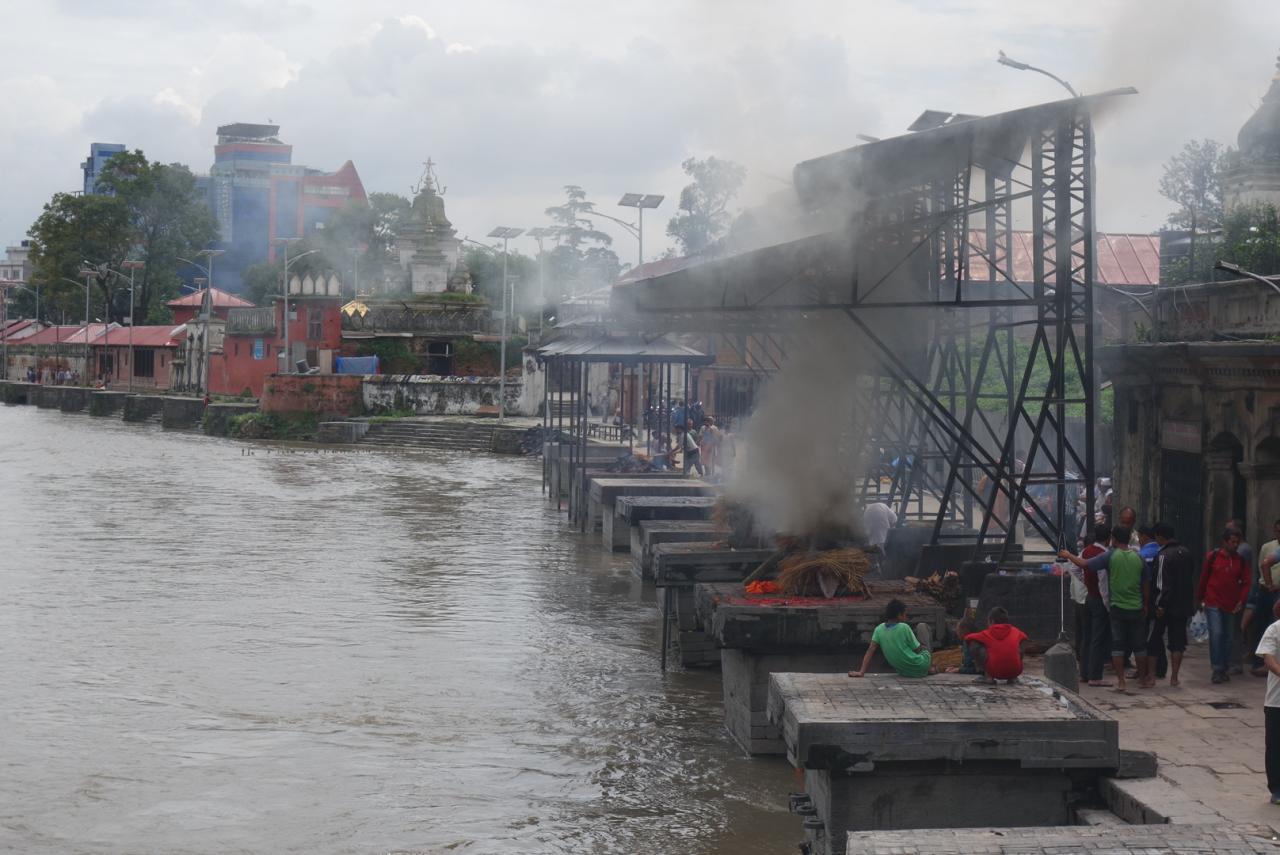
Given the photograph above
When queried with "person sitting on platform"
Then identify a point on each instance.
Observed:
(997, 650)
(909, 653)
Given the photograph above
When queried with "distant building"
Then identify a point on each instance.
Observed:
(99, 154)
(188, 306)
(1255, 179)
(16, 264)
(258, 195)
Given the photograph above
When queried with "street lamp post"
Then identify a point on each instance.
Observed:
(640, 201)
(131, 266)
(506, 234)
(88, 274)
(7, 285)
(210, 254)
(1023, 66)
(284, 305)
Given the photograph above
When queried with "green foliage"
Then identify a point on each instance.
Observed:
(264, 282)
(301, 426)
(486, 276)
(394, 355)
(392, 414)
(1249, 237)
(581, 260)
(152, 213)
(703, 217)
(995, 388)
(1192, 180)
(468, 353)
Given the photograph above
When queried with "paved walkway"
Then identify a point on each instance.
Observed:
(1215, 754)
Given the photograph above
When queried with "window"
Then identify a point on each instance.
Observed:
(258, 349)
(237, 349)
(315, 325)
(144, 363)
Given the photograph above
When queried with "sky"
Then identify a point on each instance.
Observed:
(514, 99)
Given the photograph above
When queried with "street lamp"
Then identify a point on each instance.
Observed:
(131, 266)
(284, 306)
(1237, 270)
(1023, 66)
(506, 234)
(640, 201)
(88, 273)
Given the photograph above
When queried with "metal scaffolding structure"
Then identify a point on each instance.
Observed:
(978, 366)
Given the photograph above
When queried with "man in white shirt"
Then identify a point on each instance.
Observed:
(877, 519)
(1269, 650)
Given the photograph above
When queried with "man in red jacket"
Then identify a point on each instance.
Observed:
(1222, 592)
(997, 650)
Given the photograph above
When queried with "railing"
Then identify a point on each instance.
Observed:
(256, 320)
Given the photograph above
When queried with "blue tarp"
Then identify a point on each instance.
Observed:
(356, 365)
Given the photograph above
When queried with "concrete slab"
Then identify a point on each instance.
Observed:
(649, 533)
(604, 490)
(688, 564)
(836, 721)
(774, 623)
(1081, 839)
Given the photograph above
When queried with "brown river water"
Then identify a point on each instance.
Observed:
(211, 647)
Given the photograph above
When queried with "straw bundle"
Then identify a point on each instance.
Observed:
(798, 574)
(948, 657)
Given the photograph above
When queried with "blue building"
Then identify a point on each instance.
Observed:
(99, 154)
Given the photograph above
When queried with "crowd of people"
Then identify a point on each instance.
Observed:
(53, 376)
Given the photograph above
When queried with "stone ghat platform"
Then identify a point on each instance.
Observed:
(760, 635)
(677, 568)
(651, 533)
(1071, 840)
(605, 489)
(888, 753)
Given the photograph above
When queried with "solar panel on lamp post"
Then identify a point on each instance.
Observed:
(506, 233)
(640, 201)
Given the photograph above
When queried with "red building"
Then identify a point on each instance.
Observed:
(300, 204)
(153, 349)
(253, 343)
(187, 307)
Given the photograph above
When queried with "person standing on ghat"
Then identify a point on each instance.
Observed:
(1172, 600)
(1096, 635)
(1128, 594)
(1223, 589)
(1149, 549)
(1269, 650)
(1258, 612)
(1240, 646)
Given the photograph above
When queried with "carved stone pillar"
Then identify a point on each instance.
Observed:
(1218, 490)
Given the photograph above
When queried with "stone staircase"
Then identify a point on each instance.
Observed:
(416, 434)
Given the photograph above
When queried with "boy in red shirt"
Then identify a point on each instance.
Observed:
(998, 648)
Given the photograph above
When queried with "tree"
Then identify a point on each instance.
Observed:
(168, 220)
(581, 259)
(704, 217)
(69, 231)
(1192, 180)
(485, 266)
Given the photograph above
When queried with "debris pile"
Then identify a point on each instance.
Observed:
(944, 587)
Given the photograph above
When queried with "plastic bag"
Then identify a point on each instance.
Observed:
(1198, 631)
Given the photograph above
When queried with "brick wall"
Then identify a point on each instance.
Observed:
(325, 394)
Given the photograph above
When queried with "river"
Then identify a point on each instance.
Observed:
(213, 647)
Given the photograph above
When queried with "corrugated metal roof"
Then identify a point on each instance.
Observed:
(220, 299)
(627, 348)
(1120, 259)
(143, 336)
(66, 334)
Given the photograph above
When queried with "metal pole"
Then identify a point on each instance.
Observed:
(131, 324)
(502, 351)
(208, 298)
(86, 324)
(542, 288)
(640, 234)
(284, 312)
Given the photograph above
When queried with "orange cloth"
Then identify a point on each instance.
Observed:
(763, 586)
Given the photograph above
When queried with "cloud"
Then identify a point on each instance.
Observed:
(513, 106)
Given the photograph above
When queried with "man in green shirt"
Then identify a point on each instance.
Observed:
(908, 655)
(1120, 571)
